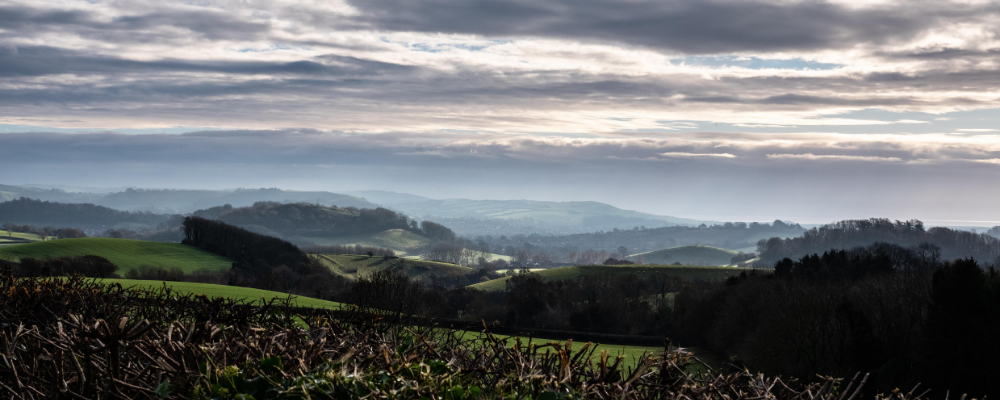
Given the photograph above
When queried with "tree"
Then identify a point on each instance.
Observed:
(623, 252)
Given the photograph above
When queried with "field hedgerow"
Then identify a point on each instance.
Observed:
(78, 339)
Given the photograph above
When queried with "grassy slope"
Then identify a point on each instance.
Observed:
(127, 254)
(397, 240)
(352, 265)
(688, 255)
(632, 354)
(234, 292)
(685, 272)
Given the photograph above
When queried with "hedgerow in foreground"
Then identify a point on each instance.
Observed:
(76, 339)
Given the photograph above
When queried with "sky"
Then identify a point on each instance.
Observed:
(751, 110)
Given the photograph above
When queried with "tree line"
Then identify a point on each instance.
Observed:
(45, 232)
(88, 217)
(851, 233)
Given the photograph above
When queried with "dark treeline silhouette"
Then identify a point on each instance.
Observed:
(348, 249)
(88, 217)
(90, 266)
(46, 232)
(261, 261)
(852, 233)
(898, 313)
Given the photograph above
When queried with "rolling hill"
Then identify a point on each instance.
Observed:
(233, 292)
(172, 201)
(353, 265)
(687, 255)
(398, 240)
(683, 272)
(126, 254)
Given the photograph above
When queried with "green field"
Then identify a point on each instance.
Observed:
(353, 265)
(632, 354)
(687, 255)
(397, 240)
(683, 272)
(233, 292)
(126, 254)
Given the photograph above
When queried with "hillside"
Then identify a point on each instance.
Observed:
(313, 224)
(88, 217)
(683, 272)
(352, 266)
(181, 201)
(16, 238)
(398, 240)
(687, 255)
(496, 217)
(126, 254)
(232, 292)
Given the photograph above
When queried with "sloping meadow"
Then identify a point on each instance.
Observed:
(78, 339)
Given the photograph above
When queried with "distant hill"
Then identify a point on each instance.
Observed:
(352, 266)
(171, 201)
(848, 234)
(126, 254)
(88, 217)
(311, 224)
(686, 272)
(479, 217)
(687, 255)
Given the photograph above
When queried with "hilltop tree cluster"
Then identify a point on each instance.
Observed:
(950, 243)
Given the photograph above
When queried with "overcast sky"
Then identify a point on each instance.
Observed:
(730, 110)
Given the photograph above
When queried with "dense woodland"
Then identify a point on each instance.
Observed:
(90, 218)
(847, 234)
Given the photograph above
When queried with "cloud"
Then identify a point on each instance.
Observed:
(833, 157)
(686, 155)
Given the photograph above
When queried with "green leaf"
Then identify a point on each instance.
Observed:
(271, 365)
(163, 389)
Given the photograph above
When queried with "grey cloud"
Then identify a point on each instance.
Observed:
(688, 26)
(43, 60)
(209, 24)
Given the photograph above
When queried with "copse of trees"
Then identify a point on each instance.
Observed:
(90, 266)
(261, 261)
(852, 233)
(48, 231)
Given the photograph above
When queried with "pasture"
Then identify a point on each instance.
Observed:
(126, 254)
(683, 272)
(352, 266)
(397, 240)
(232, 292)
(687, 255)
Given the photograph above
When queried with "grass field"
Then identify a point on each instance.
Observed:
(631, 353)
(397, 240)
(126, 254)
(683, 272)
(233, 292)
(353, 265)
(687, 255)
